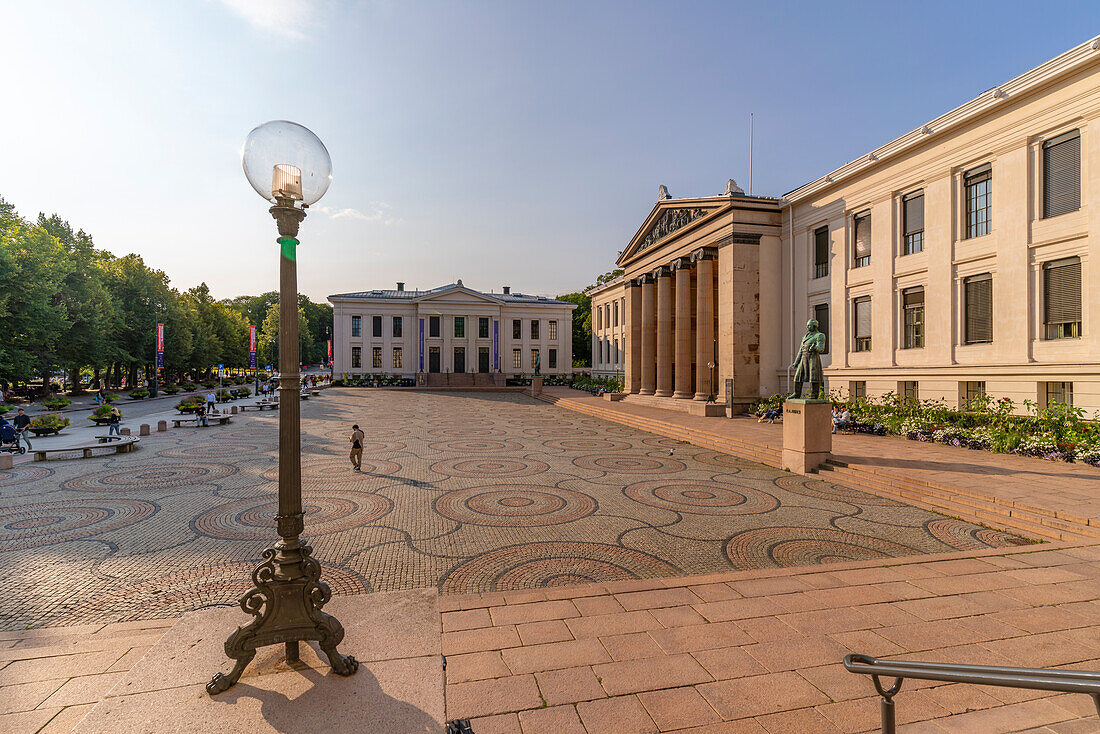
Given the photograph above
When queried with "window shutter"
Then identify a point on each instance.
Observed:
(1062, 174)
(863, 317)
(914, 213)
(979, 309)
(912, 297)
(821, 245)
(1062, 291)
(863, 235)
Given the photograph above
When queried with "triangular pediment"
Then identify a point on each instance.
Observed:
(667, 219)
(456, 294)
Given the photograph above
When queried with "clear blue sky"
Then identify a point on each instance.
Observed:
(508, 142)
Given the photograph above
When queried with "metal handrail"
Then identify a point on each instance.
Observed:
(1064, 681)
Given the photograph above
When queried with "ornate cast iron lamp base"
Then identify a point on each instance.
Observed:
(286, 610)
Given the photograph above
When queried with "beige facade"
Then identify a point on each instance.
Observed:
(959, 258)
(608, 328)
(450, 329)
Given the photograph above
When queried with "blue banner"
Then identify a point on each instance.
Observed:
(421, 368)
(496, 345)
(252, 360)
(160, 359)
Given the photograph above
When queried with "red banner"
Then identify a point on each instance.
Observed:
(330, 349)
(252, 338)
(160, 337)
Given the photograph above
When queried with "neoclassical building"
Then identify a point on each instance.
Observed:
(958, 259)
(451, 329)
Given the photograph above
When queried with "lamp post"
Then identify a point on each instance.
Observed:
(287, 165)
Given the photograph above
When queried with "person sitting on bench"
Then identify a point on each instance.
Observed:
(841, 418)
(200, 416)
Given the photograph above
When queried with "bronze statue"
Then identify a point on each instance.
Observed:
(807, 363)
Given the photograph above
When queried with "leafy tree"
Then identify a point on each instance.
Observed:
(582, 328)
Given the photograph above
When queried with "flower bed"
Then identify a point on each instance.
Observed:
(44, 425)
(56, 403)
(1057, 432)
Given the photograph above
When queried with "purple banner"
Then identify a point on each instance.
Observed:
(421, 368)
(496, 345)
(160, 359)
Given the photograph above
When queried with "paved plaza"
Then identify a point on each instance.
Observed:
(467, 492)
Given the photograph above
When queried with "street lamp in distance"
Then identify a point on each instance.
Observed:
(289, 166)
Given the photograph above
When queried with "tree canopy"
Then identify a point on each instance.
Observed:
(66, 306)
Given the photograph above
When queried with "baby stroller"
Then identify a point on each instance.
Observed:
(10, 440)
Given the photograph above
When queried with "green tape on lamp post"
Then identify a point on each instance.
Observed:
(288, 245)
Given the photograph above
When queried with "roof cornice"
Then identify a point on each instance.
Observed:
(1070, 61)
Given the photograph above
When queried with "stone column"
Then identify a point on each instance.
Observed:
(682, 267)
(649, 336)
(663, 275)
(632, 338)
(704, 325)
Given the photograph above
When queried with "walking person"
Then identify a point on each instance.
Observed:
(357, 437)
(114, 423)
(21, 421)
(210, 400)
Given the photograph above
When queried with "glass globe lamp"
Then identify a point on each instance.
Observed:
(284, 160)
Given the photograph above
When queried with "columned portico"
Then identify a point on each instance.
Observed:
(649, 336)
(682, 267)
(663, 276)
(704, 326)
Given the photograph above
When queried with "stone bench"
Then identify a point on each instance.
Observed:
(260, 406)
(123, 445)
(221, 420)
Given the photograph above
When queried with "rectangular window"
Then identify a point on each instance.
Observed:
(397, 358)
(534, 328)
(978, 185)
(909, 392)
(534, 357)
(433, 326)
(460, 327)
(517, 359)
(517, 329)
(397, 326)
(552, 330)
(861, 327)
(971, 394)
(1059, 392)
(978, 298)
(482, 327)
(599, 318)
(912, 303)
(357, 326)
(615, 314)
(857, 389)
(376, 357)
(1062, 174)
(356, 357)
(821, 316)
(913, 225)
(1062, 298)
(376, 326)
(862, 239)
(552, 359)
(615, 351)
(821, 252)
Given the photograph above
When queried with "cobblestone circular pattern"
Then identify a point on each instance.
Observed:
(151, 476)
(959, 534)
(254, 519)
(628, 464)
(476, 445)
(225, 450)
(489, 466)
(30, 526)
(553, 564)
(172, 594)
(521, 506)
(785, 546)
(23, 474)
(829, 491)
(586, 444)
(701, 498)
(331, 467)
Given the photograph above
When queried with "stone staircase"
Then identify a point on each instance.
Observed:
(1036, 523)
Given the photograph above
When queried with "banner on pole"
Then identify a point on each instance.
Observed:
(160, 346)
(496, 345)
(421, 363)
(252, 346)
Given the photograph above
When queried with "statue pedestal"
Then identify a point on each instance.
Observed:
(536, 386)
(807, 434)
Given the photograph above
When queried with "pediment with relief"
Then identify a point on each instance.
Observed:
(669, 222)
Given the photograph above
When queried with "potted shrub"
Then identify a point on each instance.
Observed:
(5, 409)
(139, 394)
(223, 396)
(56, 403)
(242, 392)
(170, 389)
(44, 425)
(109, 397)
(101, 416)
(189, 404)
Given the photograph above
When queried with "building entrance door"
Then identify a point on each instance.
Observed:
(433, 359)
(460, 359)
(483, 359)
